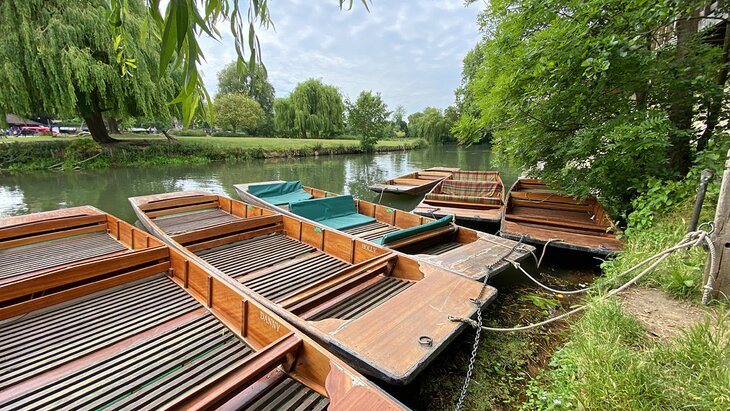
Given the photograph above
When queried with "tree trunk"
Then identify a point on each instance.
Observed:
(715, 106)
(681, 103)
(170, 138)
(112, 125)
(97, 128)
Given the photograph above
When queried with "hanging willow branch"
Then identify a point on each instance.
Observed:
(184, 20)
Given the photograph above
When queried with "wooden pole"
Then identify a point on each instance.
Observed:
(721, 239)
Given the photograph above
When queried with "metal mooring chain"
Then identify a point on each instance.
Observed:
(475, 347)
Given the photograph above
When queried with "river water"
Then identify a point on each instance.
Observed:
(108, 189)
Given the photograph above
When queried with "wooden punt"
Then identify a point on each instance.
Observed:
(386, 314)
(415, 183)
(474, 196)
(95, 314)
(468, 252)
(541, 214)
(141, 326)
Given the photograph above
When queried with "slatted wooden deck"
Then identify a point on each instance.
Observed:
(364, 300)
(31, 345)
(290, 395)
(22, 260)
(439, 249)
(182, 223)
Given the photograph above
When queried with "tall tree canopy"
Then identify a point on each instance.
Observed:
(431, 124)
(61, 58)
(596, 91)
(368, 117)
(313, 109)
(236, 78)
(238, 112)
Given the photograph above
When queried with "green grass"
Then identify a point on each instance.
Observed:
(42, 152)
(610, 364)
(267, 143)
(680, 275)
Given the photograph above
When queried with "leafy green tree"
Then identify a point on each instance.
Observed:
(236, 78)
(600, 93)
(238, 112)
(398, 120)
(181, 24)
(368, 117)
(61, 58)
(313, 109)
(431, 124)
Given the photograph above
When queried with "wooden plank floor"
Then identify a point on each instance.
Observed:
(439, 249)
(146, 375)
(290, 395)
(38, 342)
(364, 300)
(22, 260)
(183, 223)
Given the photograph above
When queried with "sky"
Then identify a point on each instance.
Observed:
(409, 50)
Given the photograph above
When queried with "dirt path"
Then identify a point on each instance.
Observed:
(662, 316)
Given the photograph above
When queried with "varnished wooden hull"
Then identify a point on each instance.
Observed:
(341, 303)
(472, 254)
(99, 315)
(540, 215)
(413, 184)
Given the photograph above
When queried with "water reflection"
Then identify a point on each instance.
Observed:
(109, 189)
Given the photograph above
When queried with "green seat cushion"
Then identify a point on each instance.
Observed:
(337, 212)
(409, 232)
(280, 193)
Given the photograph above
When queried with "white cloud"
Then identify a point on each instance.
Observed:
(409, 51)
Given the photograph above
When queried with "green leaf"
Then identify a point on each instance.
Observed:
(169, 44)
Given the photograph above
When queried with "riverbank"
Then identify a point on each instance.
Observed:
(653, 347)
(41, 153)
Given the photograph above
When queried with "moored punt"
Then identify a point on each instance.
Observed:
(145, 327)
(474, 196)
(415, 183)
(540, 215)
(385, 313)
(440, 242)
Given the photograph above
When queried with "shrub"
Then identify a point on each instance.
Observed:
(81, 149)
(189, 133)
(229, 134)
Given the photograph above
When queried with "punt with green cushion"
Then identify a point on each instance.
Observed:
(280, 193)
(415, 230)
(337, 212)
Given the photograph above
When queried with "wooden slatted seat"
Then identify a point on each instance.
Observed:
(66, 333)
(181, 223)
(289, 395)
(25, 259)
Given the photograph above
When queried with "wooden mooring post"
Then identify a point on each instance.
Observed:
(721, 239)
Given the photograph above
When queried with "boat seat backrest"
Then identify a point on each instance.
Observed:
(471, 188)
(491, 176)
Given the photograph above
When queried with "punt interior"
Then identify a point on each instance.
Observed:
(462, 250)
(137, 325)
(415, 183)
(365, 302)
(540, 214)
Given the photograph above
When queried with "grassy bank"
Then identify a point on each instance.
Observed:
(604, 359)
(37, 153)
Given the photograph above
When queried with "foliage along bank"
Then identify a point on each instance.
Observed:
(86, 154)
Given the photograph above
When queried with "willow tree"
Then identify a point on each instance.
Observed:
(318, 109)
(63, 58)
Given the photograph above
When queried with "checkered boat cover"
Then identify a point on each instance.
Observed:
(479, 192)
(486, 176)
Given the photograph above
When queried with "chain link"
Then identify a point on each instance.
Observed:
(477, 335)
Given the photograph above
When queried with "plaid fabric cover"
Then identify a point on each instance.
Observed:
(471, 188)
(463, 199)
(490, 176)
(479, 192)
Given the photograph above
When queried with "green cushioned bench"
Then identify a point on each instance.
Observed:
(415, 230)
(337, 212)
(280, 193)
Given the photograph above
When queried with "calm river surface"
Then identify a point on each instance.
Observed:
(108, 189)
